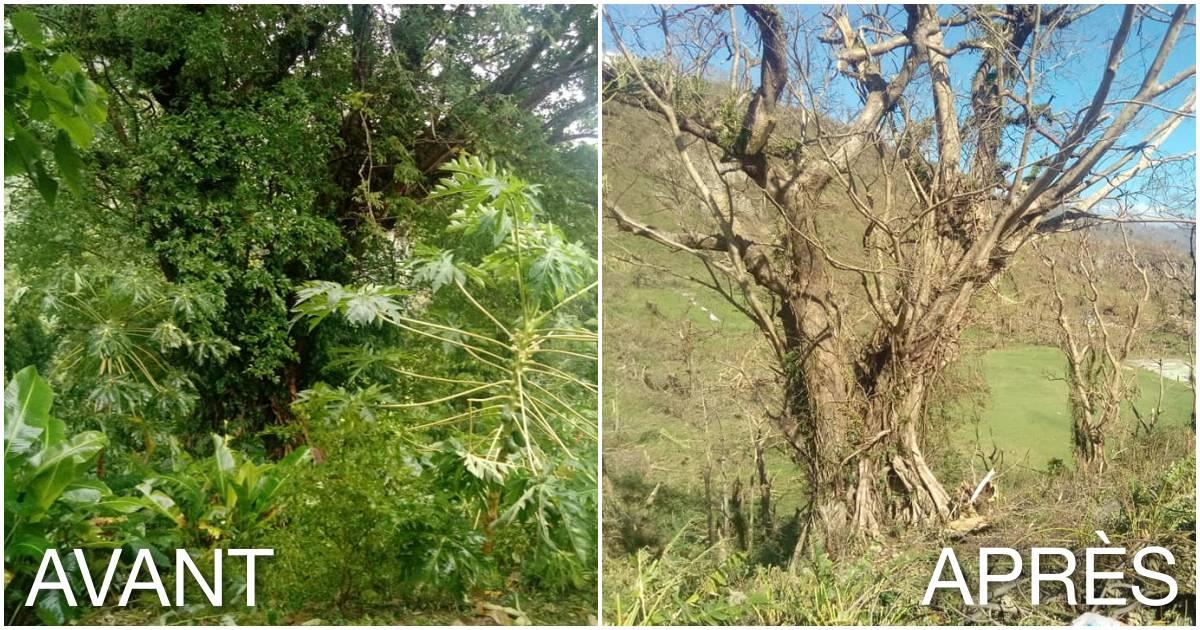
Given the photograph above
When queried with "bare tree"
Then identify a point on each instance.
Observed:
(945, 196)
(1097, 337)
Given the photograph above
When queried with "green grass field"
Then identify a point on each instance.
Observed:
(660, 434)
(1026, 411)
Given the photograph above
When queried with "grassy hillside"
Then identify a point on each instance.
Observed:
(1026, 413)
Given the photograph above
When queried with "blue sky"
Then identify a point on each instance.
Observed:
(1074, 69)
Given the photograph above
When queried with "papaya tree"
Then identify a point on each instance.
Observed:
(500, 326)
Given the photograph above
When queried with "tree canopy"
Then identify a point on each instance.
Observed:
(235, 152)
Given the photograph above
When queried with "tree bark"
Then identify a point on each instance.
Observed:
(764, 482)
(1089, 445)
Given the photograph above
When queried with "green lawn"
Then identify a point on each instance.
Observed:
(1026, 412)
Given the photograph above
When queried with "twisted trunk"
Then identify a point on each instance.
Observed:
(852, 414)
(856, 486)
(1089, 445)
(1087, 425)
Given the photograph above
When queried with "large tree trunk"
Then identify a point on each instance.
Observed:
(922, 495)
(894, 481)
(815, 418)
(855, 429)
(884, 480)
(854, 489)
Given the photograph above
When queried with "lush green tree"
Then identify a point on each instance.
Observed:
(248, 172)
(249, 149)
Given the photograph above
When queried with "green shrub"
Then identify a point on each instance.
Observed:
(223, 500)
(52, 500)
(375, 524)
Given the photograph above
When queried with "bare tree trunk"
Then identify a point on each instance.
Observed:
(1096, 355)
(895, 482)
(1089, 445)
(854, 490)
(814, 424)
(710, 522)
(764, 482)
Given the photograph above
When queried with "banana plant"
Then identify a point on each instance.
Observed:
(42, 464)
(50, 499)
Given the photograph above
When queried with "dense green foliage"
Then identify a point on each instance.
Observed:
(55, 498)
(486, 405)
(49, 103)
(290, 310)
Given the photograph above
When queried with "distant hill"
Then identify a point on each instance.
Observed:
(1173, 237)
